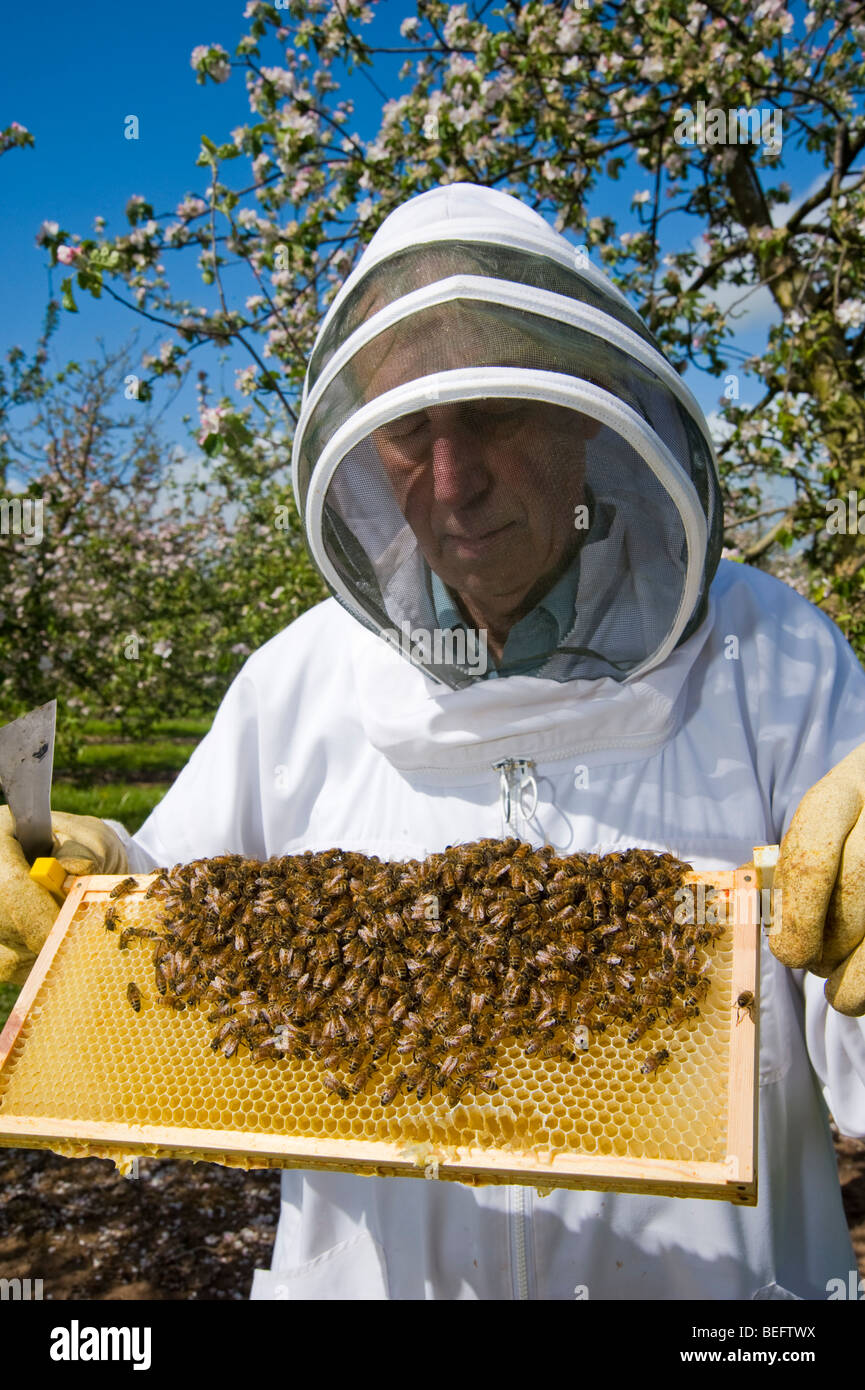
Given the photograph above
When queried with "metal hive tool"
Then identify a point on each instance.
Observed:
(85, 1074)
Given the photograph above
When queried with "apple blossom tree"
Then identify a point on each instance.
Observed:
(128, 583)
(551, 101)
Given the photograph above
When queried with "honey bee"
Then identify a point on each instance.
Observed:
(335, 883)
(584, 1005)
(709, 934)
(336, 955)
(336, 1087)
(654, 1063)
(126, 885)
(698, 985)
(451, 964)
(362, 1079)
(502, 915)
(477, 1003)
(447, 1068)
(643, 1026)
(680, 1013)
(455, 1038)
(745, 1004)
(393, 1088)
(110, 919)
(133, 994)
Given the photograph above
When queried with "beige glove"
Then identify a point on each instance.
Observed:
(85, 844)
(821, 872)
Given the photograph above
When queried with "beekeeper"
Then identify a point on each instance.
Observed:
(514, 499)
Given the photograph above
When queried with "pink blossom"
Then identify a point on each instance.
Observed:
(68, 255)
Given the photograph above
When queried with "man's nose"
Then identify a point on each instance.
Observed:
(459, 471)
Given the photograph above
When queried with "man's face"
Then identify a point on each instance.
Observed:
(489, 488)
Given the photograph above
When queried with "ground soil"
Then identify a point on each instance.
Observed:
(177, 1231)
(180, 1230)
(850, 1154)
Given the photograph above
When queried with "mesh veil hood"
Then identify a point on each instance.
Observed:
(492, 442)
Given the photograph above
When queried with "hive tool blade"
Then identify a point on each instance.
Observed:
(26, 766)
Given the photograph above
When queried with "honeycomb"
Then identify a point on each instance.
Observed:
(88, 1074)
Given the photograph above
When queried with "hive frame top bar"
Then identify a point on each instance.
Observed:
(733, 1178)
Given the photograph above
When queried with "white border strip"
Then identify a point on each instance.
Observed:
(472, 229)
(555, 388)
(545, 303)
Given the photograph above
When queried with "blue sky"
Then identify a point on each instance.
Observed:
(71, 75)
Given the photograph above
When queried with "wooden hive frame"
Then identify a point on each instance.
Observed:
(732, 1178)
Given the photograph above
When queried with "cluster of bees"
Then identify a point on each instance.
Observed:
(440, 962)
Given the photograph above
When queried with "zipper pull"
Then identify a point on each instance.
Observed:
(515, 778)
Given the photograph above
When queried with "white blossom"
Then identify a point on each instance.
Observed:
(46, 231)
(851, 313)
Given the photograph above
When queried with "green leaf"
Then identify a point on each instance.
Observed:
(68, 300)
(89, 279)
(213, 445)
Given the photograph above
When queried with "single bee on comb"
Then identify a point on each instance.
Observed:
(126, 885)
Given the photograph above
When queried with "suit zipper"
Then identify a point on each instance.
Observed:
(519, 1223)
(518, 797)
(518, 794)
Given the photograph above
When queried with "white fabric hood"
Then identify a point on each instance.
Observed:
(421, 728)
(586, 486)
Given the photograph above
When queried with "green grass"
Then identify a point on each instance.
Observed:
(167, 728)
(130, 804)
(134, 758)
(102, 763)
(8, 995)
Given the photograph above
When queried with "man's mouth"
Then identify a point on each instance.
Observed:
(474, 542)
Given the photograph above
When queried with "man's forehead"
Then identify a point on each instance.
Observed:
(426, 265)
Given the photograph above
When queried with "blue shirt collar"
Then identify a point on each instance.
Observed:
(532, 640)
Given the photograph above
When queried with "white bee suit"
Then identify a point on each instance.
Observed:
(688, 708)
(327, 737)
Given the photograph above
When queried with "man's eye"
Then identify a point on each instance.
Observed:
(406, 426)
